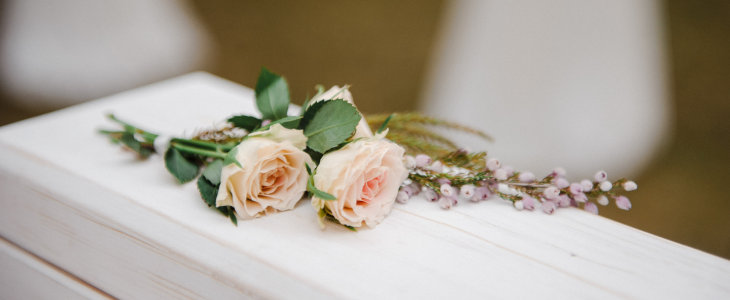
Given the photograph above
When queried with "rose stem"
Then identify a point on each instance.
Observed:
(192, 150)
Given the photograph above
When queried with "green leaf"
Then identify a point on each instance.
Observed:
(309, 170)
(287, 122)
(231, 158)
(128, 140)
(246, 122)
(317, 193)
(183, 169)
(232, 215)
(314, 155)
(225, 210)
(351, 228)
(208, 191)
(272, 95)
(213, 171)
(331, 124)
(385, 124)
(309, 113)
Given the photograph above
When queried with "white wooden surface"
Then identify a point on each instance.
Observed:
(126, 227)
(25, 276)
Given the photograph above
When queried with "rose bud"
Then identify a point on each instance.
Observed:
(526, 177)
(467, 191)
(576, 188)
(580, 198)
(548, 207)
(561, 183)
(518, 205)
(602, 200)
(422, 160)
(630, 186)
(500, 174)
(410, 162)
(493, 164)
(431, 195)
(551, 192)
(591, 208)
(587, 185)
(446, 190)
(623, 203)
(558, 172)
(528, 202)
(601, 176)
(445, 202)
(606, 186)
(402, 197)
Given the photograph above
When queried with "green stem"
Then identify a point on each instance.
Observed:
(209, 145)
(197, 151)
(111, 132)
(149, 137)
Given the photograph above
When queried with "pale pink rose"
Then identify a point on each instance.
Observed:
(364, 176)
(336, 92)
(273, 177)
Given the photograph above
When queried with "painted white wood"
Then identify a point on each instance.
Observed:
(25, 276)
(126, 227)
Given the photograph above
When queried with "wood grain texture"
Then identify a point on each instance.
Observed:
(25, 276)
(127, 227)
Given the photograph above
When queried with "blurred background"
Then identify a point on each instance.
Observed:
(638, 88)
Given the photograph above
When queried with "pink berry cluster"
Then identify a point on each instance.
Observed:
(447, 184)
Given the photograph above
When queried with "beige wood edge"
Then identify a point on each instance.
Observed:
(25, 276)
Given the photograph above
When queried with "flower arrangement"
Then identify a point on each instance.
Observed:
(252, 167)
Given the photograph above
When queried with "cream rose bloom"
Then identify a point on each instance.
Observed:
(362, 130)
(273, 177)
(365, 177)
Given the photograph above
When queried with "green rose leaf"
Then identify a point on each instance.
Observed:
(329, 123)
(225, 210)
(272, 95)
(246, 122)
(128, 140)
(317, 193)
(183, 169)
(288, 122)
(213, 171)
(232, 215)
(208, 191)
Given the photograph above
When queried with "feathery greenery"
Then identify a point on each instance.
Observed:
(414, 131)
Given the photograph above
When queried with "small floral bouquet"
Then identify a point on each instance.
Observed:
(251, 167)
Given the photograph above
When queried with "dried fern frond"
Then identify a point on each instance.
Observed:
(414, 145)
(423, 133)
(413, 117)
(413, 131)
(475, 161)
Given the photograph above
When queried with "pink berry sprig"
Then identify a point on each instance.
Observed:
(445, 183)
